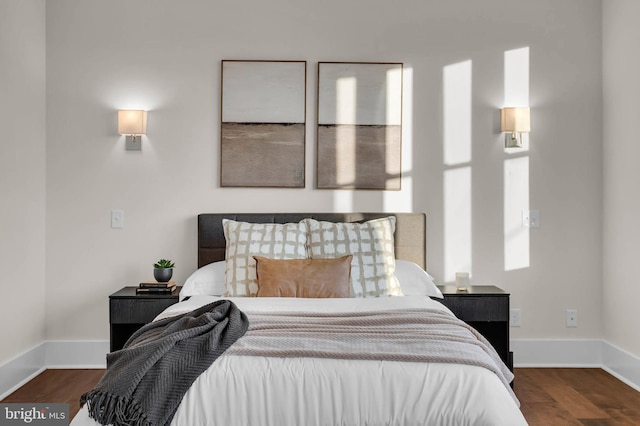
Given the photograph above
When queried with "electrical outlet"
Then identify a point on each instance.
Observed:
(514, 318)
(572, 317)
(531, 218)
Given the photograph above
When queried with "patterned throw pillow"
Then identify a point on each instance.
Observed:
(244, 240)
(370, 243)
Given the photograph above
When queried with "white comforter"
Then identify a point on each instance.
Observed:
(245, 390)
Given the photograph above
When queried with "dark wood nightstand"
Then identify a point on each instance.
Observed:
(129, 311)
(485, 308)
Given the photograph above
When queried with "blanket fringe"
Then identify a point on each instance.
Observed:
(109, 409)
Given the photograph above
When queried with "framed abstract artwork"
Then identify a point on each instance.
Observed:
(263, 119)
(359, 131)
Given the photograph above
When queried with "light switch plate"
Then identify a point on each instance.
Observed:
(117, 219)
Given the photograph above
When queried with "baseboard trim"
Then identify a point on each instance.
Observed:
(535, 353)
(556, 353)
(77, 354)
(51, 354)
(20, 369)
(621, 364)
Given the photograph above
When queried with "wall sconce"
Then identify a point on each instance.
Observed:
(515, 122)
(132, 124)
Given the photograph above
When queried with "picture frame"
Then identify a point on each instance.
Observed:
(263, 123)
(359, 125)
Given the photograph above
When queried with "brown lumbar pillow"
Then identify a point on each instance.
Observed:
(303, 277)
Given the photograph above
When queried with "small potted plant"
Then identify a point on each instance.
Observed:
(163, 270)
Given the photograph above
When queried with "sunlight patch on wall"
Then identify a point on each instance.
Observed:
(402, 201)
(393, 104)
(457, 122)
(346, 97)
(516, 87)
(516, 77)
(393, 107)
(342, 201)
(457, 113)
(457, 222)
(516, 199)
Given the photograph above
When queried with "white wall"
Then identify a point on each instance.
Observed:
(164, 56)
(621, 291)
(22, 175)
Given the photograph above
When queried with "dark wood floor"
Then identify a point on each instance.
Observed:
(575, 396)
(58, 386)
(549, 396)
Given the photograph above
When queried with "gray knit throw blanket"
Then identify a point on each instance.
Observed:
(146, 380)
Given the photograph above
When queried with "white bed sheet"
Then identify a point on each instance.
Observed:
(247, 390)
(296, 304)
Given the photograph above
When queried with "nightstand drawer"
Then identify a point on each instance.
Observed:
(137, 311)
(478, 308)
(485, 308)
(128, 311)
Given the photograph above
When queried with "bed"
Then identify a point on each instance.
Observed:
(260, 380)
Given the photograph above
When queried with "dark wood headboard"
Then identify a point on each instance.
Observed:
(410, 235)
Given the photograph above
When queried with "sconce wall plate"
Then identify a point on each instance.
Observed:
(511, 140)
(133, 143)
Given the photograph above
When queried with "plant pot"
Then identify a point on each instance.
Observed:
(162, 275)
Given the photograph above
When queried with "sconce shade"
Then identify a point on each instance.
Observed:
(515, 120)
(132, 122)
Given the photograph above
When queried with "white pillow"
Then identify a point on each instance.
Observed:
(208, 280)
(415, 281)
